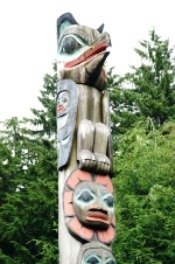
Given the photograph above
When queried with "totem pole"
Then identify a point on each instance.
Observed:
(86, 210)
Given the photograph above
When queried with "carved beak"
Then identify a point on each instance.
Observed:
(88, 55)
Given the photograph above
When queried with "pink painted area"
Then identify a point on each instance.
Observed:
(81, 231)
(107, 236)
(78, 176)
(68, 205)
(106, 181)
(97, 216)
(91, 52)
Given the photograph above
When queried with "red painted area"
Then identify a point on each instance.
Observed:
(97, 216)
(60, 108)
(80, 230)
(78, 176)
(107, 236)
(104, 236)
(106, 181)
(94, 50)
(68, 206)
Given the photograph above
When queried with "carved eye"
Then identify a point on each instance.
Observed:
(64, 100)
(93, 260)
(110, 262)
(109, 201)
(85, 196)
(70, 45)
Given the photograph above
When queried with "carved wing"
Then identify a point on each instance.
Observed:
(67, 102)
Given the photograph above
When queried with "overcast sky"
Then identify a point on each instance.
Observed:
(28, 40)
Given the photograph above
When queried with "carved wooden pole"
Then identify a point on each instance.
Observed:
(86, 211)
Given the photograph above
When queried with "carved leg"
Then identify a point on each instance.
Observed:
(85, 142)
(102, 134)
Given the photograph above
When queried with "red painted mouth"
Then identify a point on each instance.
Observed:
(98, 216)
(60, 108)
(87, 55)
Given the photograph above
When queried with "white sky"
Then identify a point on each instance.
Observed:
(28, 40)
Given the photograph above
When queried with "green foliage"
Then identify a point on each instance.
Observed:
(145, 186)
(147, 91)
(28, 177)
(144, 164)
(45, 119)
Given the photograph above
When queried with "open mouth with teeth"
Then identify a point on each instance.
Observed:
(97, 215)
(99, 48)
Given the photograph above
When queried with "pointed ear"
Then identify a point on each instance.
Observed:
(64, 21)
(100, 29)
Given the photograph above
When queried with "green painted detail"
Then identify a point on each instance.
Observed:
(76, 48)
(92, 258)
(64, 25)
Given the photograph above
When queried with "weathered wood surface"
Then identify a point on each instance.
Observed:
(69, 247)
(85, 163)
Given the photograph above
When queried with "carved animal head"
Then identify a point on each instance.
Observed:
(82, 52)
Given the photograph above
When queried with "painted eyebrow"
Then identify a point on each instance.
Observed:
(78, 38)
(95, 256)
(87, 190)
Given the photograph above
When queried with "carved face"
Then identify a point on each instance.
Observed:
(67, 101)
(63, 103)
(88, 207)
(63, 108)
(95, 253)
(98, 256)
(93, 205)
(81, 53)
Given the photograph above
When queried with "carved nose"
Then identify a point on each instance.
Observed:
(96, 207)
(98, 210)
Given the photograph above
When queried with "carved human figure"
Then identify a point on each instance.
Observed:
(95, 253)
(67, 101)
(81, 54)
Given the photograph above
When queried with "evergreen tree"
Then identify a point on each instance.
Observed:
(144, 168)
(44, 119)
(145, 186)
(147, 91)
(28, 201)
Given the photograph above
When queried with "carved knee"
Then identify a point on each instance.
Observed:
(85, 135)
(85, 143)
(102, 133)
